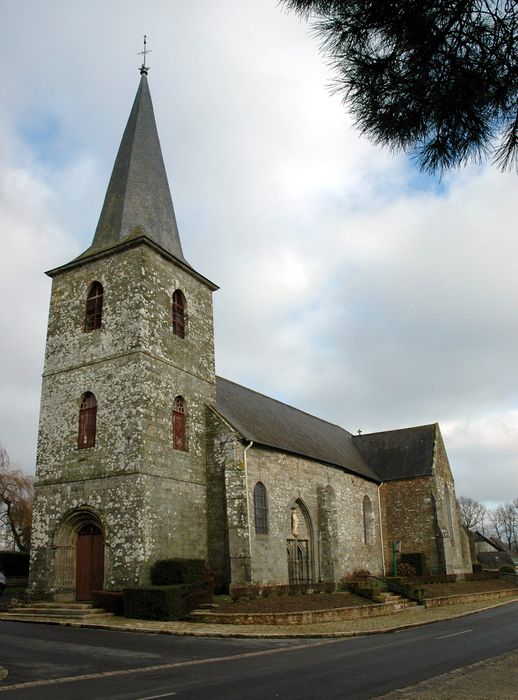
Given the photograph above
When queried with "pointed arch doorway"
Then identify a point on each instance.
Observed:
(300, 546)
(89, 561)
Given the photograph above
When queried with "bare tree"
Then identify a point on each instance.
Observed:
(16, 499)
(504, 519)
(472, 513)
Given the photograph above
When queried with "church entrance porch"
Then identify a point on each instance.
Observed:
(79, 546)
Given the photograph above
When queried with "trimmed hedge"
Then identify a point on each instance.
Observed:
(158, 602)
(14, 563)
(168, 572)
(111, 601)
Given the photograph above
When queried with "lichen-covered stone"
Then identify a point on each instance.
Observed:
(148, 499)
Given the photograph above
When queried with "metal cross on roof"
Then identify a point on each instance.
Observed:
(143, 68)
(360, 431)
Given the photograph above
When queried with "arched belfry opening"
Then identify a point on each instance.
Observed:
(79, 554)
(300, 545)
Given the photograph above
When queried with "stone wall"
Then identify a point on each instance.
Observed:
(329, 500)
(409, 517)
(455, 541)
(147, 497)
(421, 512)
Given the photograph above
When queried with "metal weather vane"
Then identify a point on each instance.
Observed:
(143, 68)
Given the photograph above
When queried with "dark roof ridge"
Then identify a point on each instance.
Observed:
(398, 430)
(283, 403)
(277, 425)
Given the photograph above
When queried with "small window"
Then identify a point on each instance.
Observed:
(179, 441)
(260, 509)
(87, 421)
(367, 520)
(94, 307)
(179, 314)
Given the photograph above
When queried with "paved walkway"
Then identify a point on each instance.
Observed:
(484, 680)
(412, 617)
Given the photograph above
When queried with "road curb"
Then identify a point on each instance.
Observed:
(251, 635)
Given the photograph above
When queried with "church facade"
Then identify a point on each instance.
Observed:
(144, 454)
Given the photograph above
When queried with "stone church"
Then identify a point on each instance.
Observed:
(144, 453)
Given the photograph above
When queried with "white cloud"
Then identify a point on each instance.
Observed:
(350, 286)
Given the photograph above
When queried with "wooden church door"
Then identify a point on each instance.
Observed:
(89, 562)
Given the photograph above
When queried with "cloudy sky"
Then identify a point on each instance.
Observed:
(351, 286)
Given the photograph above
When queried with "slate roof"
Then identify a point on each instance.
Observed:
(399, 454)
(274, 424)
(138, 195)
(496, 544)
(138, 206)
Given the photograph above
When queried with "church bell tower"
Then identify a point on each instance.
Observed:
(129, 370)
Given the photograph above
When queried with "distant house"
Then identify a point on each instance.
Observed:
(491, 553)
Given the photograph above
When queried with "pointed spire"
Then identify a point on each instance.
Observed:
(138, 200)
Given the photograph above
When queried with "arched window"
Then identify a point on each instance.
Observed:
(87, 421)
(179, 314)
(94, 307)
(260, 509)
(179, 441)
(367, 520)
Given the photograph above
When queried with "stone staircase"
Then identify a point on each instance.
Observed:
(56, 611)
(399, 602)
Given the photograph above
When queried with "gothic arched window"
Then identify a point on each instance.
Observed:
(179, 410)
(87, 421)
(367, 520)
(260, 509)
(94, 307)
(179, 314)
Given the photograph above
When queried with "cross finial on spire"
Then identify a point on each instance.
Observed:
(143, 68)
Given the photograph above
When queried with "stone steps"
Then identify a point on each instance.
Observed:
(76, 611)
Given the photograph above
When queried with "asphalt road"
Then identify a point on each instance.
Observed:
(60, 662)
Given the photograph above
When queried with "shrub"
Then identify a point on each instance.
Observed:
(168, 572)
(324, 587)
(157, 602)
(359, 575)
(14, 563)
(477, 568)
(111, 601)
(218, 585)
(204, 594)
(506, 569)
(245, 592)
(404, 569)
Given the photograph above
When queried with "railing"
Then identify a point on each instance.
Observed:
(396, 588)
